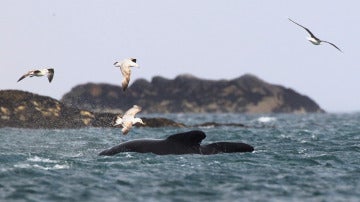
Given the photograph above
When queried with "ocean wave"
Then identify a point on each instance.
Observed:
(54, 167)
(42, 167)
(39, 159)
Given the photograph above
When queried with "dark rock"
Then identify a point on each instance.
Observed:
(186, 93)
(27, 110)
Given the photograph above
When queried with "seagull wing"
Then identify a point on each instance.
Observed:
(117, 120)
(25, 75)
(132, 111)
(126, 72)
(50, 74)
(311, 34)
(332, 45)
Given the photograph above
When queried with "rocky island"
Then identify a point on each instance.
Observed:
(186, 93)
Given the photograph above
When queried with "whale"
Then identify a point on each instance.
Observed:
(178, 144)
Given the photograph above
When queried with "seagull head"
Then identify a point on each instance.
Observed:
(139, 120)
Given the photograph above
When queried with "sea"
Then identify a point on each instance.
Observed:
(310, 157)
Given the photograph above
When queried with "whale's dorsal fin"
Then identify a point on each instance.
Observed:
(191, 138)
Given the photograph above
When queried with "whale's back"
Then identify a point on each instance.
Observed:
(191, 138)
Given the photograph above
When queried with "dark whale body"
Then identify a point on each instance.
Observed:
(181, 143)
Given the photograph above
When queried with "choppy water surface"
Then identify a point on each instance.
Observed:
(297, 158)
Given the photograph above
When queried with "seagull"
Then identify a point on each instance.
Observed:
(39, 72)
(312, 38)
(125, 70)
(128, 120)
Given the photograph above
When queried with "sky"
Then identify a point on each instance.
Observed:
(206, 38)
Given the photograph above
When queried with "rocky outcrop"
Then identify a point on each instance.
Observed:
(185, 93)
(27, 110)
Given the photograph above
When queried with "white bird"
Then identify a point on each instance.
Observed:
(125, 70)
(312, 38)
(39, 72)
(128, 119)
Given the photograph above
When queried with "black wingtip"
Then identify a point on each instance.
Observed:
(50, 75)
(21, 78)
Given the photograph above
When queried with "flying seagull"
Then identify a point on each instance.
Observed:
(125, 70)
(313, 39)
(128, 120)
(39, 72)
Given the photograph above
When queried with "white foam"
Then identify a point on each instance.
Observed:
(266, 119)
(128, 155)
(55, 167)
(207, 127)
(39, 159)
(42, 163)
(22, 165)
(58, 167)
(3, 170)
